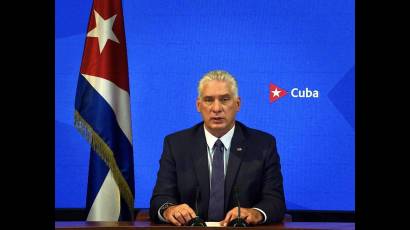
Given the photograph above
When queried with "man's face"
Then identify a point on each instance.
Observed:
(218, 107)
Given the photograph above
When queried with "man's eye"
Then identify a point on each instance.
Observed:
(226, 99)
(207, 99)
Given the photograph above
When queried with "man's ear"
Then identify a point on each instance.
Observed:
(198, 102)
(238, 103)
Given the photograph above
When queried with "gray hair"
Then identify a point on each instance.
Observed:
(219, 75)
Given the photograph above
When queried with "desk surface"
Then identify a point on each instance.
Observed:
(146, 225)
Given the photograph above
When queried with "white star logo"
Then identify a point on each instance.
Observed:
(103, 30)
(276, 92)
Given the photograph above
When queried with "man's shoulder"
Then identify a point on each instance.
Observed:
(254, 133)
(185, 133)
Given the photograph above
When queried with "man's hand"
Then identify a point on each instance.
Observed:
(250, 215)
(179, 214)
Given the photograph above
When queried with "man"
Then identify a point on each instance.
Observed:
(219, 161)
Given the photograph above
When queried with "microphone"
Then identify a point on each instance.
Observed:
(238, 221)
(197, 221)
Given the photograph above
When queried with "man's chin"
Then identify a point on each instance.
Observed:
(218, 126)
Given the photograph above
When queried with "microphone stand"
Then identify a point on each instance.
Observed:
(238, 221)
(197, 221)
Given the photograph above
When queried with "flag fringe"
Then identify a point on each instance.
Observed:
(104, 151)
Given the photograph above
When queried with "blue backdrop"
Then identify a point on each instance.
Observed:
(171, 44)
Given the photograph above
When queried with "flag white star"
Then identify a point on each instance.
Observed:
(103, 30)
(276, 92)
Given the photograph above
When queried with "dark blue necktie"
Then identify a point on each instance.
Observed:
(216, 198)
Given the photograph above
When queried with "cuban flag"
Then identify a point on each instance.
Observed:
(102, 115)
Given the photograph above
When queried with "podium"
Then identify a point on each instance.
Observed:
(143, 223)
(147, 225)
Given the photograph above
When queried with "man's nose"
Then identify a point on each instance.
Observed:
(217, 106)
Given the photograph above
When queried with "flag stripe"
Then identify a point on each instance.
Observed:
(101, 117)
(125, 182)
(97, 173)
(103, 207)
(97, 122)
(117, 98)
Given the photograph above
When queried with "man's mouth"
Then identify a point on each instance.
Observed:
(217, 119)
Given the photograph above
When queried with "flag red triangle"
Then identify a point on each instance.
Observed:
(275, 93)
(111, 63)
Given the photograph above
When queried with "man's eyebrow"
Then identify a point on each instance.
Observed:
(223, 95)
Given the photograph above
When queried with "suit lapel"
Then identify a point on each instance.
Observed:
(237, 151)
(200, 158)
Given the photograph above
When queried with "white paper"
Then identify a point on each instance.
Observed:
(213, 224)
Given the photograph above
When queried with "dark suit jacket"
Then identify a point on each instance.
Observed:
(253, 167)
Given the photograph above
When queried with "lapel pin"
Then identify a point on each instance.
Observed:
(239, 149)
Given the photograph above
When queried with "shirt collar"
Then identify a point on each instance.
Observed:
(226, 139)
